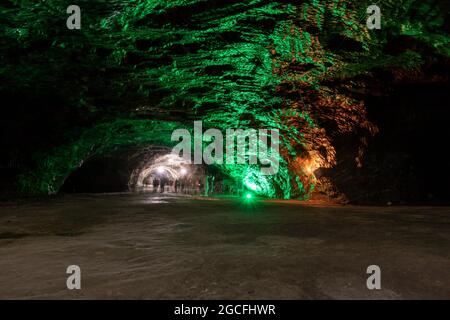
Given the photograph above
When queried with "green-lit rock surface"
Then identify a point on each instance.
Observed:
(139, 69)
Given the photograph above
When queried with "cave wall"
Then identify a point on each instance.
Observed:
(139, 69)
(406, 162)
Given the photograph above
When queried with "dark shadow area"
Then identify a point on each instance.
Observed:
(107, 173)
(406, 162)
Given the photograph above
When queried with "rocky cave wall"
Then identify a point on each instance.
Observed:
(139, 69)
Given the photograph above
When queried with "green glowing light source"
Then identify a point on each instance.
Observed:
(248, 196)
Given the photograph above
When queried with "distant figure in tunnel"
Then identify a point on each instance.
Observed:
(155, 184)
(162, 184)
(200, 187)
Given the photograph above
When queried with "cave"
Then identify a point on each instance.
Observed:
(348, 101)
(136, 168)
(225, 142)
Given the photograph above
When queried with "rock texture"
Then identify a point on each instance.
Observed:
(344, 98)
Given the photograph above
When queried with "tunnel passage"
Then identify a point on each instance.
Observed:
(163, 167)
(171, 173)
(132, 168)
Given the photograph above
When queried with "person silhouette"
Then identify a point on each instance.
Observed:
(155, 185)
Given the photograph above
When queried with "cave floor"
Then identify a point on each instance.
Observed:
(177, 247)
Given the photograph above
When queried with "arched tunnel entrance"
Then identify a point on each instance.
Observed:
(169, 173)
(146, 169)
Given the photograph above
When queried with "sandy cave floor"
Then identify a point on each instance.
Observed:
(153, 246)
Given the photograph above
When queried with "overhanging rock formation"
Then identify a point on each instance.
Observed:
(137, 70)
